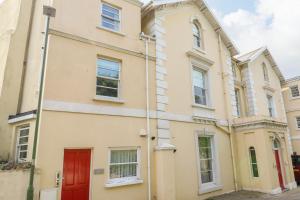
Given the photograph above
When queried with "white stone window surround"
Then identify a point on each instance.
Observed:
(273, 104)
(196, 20)
(119, 31)
(195, 64)
(265, 73)
(290, 92)
(116, 182)
(216, 184)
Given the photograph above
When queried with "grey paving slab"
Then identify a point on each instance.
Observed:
(246, 195)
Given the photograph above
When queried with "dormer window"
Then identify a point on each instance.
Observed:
(265, 71)
(196, 35)
(110, 17)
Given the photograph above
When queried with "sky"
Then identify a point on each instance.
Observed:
(255, 23)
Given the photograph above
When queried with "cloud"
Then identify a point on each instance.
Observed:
(274, 23)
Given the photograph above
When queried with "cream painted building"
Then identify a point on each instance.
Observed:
(291, 97)
(174, 113)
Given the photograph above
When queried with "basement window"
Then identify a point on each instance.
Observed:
(22, 144)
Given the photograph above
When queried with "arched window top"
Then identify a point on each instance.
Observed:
(265, 70)
(253, 162)
(196, 28)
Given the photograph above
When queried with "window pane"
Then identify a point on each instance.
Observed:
(110, 9)
(23, 155)
(196, 41)
(108, 68)
(206, 177)
(107, 82)
(298, 122)
(253, 162)
(200, 95)
(206, 165)
(253, 156)
(199, 78)
(204, 142)
(23, 140)
(295, 91)
(109, 92)
(255, 170)
(109, 23)
(205, 152)
(121, 171)
(123, 156)
(24, 132)
(237, 99)
(110, 14)
(23, 148)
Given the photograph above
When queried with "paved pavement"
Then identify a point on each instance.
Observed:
(245, 195)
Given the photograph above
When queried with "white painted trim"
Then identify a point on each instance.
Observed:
(216, 184)
(273, 191)
(60, 106)
(23, 118)
(292, 185)
(109, 99)
(125, 183)
(297, 137)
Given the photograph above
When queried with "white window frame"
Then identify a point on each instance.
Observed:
(216, 183)
(292, 92)
(272, 104)
(237, 95)
(102, 15)
(265, 72)
(298, 122)
(18, 146)
(194, 66)
(234, 72)
(251, 163)
(103, 97)
(115, 182)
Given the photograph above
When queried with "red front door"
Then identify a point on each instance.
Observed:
(76, 174)
(278, 164)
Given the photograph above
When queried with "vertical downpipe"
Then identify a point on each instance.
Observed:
(147, 39)
(227, 112)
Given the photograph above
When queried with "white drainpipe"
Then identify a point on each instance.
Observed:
(228, 114)
(147, 39)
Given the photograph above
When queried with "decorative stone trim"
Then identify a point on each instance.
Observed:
(260, 124)
(250, 92)
(231, 84)
(96, 43)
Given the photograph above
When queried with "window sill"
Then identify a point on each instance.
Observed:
(109, 30)
(209, 189)
(109, 99)
(203, 106)
(200, 50)
(123, 183)
(295, 98)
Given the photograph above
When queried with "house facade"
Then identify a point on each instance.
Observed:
(291, 97)
(148, 102)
